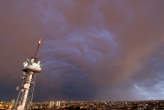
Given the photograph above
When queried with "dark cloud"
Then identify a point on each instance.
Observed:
(92, 49)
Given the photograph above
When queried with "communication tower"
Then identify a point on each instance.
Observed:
(31, 67)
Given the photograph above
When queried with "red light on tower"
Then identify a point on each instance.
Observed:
(40, 41)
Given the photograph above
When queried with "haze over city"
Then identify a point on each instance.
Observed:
(92, 49)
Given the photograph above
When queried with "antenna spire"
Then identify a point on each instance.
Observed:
(37, 49)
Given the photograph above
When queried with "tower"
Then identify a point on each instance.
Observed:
(31, 67)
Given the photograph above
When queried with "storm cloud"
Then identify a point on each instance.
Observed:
(101, 49)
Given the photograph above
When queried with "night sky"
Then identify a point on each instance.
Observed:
(92, 49)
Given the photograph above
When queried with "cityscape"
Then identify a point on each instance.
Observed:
(90, 105)
(81, 54)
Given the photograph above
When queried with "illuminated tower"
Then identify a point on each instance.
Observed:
(31, 67)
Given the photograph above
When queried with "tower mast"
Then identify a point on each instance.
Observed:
(30, 67)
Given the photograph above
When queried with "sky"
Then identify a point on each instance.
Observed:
(92, 49)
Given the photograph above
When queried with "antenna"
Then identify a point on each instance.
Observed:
(37, 49)
(31, 67)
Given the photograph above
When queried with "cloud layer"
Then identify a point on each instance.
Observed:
(91, 50)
